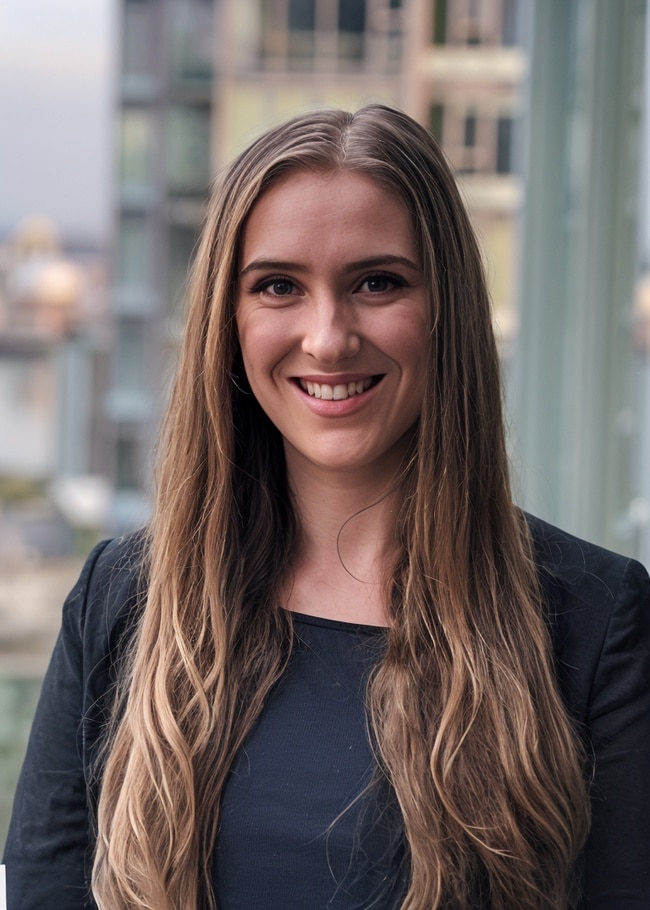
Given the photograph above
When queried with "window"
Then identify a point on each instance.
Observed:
(136, 145)
(191, 42)
(328, 34)
(130, 354)
(128, 473)
(436, 120)
(440, 22)
(188, 148)
(301, 25)
(509, 21)
(181, 246)
(504, 145)
(302, 15)
(471, 22)
(476, 141)
(138, 46)
(470, 131)
(352, 27)
(133, 250)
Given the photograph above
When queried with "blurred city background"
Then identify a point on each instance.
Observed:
(115, 116)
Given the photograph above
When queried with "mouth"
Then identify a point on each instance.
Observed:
(339, 391)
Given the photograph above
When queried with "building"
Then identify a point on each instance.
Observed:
(466, 70)
(277, 57)
(165, 116)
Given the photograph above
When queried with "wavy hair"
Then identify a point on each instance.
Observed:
(471, 731)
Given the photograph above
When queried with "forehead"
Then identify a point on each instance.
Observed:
(348, 205)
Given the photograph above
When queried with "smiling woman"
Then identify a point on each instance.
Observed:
(340, 668)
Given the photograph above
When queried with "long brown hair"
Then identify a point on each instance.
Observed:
(471, 732)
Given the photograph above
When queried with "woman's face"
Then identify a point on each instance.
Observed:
(332, 320)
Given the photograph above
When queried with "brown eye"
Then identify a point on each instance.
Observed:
(379, 284)
(280, 287)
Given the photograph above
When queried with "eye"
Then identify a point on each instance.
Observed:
(277, 287)
(379, 284)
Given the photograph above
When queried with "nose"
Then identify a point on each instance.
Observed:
(329, 333)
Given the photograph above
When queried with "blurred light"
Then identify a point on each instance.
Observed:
(83, 500)
(641, 315)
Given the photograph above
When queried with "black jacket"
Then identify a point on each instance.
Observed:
(598, 607)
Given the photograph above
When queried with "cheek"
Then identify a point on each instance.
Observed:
(263, 343)
(251, 341)
(406, 338)
(411, 351)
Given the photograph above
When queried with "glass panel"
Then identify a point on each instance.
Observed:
(302, 21)
(130, 354)
(440, 22)
(191, 38)
(352, 16)
(133, 250)
(352, 25)
(138, 46)
(188, 149)
(302, 15)
(136, 145)
(181, 245)
(436, 116)
(127, 464)
(509, 23)
(470, 131)
(504, 145)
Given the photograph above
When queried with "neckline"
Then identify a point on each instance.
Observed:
(336, 624)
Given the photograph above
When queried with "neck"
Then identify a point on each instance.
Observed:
(347, 545)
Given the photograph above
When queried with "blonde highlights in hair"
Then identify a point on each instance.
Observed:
(470, 728)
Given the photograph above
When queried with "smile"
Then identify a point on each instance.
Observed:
(337, 392)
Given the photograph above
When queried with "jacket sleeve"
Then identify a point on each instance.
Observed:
(49, 841)
(617, 855)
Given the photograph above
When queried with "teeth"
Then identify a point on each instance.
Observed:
(335, 392)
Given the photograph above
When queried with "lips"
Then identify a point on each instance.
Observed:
(337, 392)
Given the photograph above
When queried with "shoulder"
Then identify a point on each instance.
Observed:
(115, 571)
(597, 604)
(582, 577)
(100, 618)
(574, 564)
(108, 596)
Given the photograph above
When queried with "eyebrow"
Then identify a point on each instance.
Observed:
(280, 265)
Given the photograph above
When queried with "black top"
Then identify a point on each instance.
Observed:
(303, 824)
(598, 611)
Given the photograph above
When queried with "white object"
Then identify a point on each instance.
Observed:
(3, 890)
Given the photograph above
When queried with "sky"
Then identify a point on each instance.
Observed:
(57, 79)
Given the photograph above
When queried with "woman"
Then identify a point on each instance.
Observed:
(340, 669)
